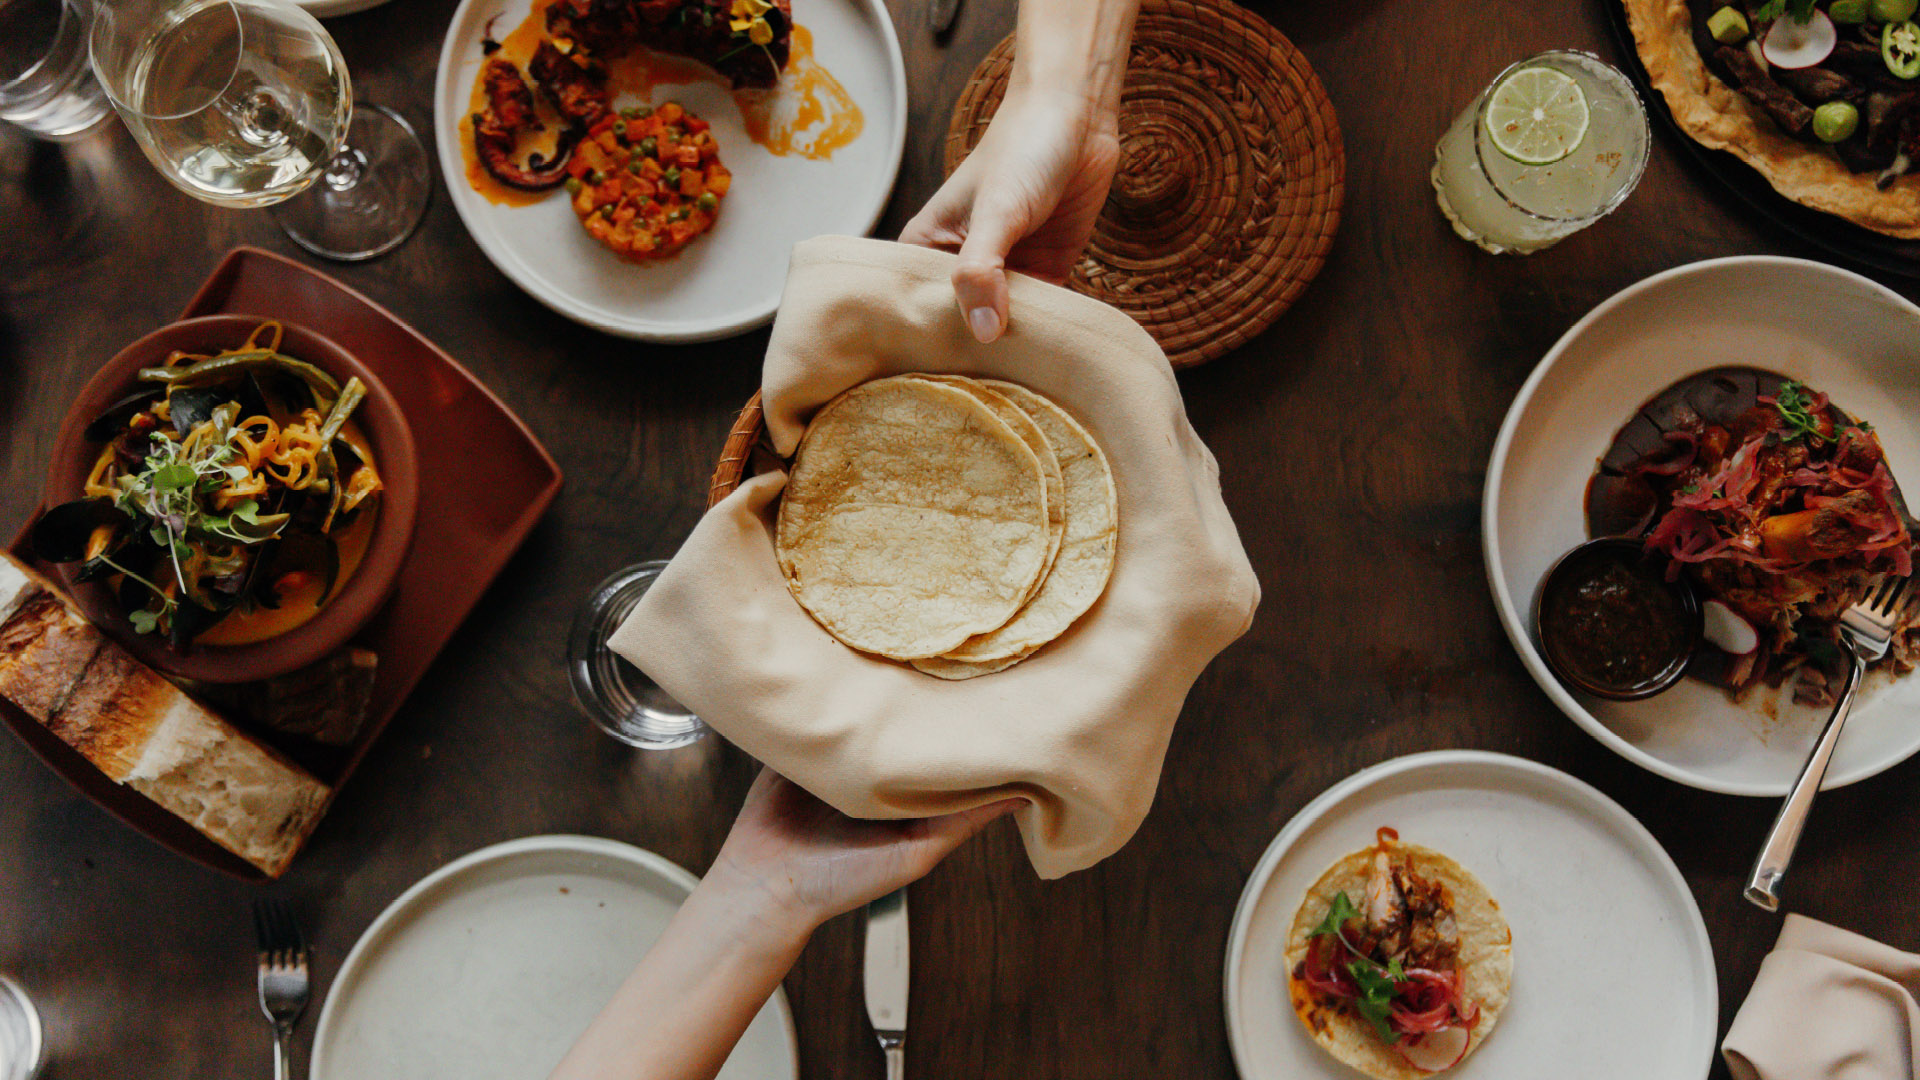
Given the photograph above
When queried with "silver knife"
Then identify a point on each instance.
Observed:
(886, 978)
(940, 14)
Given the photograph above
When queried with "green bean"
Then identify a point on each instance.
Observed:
(235, 363)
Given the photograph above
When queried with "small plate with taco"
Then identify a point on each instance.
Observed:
(1446, 913)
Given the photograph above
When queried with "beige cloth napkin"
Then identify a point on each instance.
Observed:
(1081, 728)
(1828, 1004)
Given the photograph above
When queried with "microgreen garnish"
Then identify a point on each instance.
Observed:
(1375, 981)
(1795, 407)
(169, 492)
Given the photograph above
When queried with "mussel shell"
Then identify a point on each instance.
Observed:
(131, 549)
(114, 420)
(62, 533)
(257, 585)
(191, 406)
(189, 621)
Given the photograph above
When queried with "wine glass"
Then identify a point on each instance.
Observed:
(247, 103)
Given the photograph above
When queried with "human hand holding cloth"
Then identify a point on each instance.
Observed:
(1079, 729)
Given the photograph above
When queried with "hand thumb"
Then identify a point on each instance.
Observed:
(980, 278)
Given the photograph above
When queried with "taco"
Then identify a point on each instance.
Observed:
(1399, 960)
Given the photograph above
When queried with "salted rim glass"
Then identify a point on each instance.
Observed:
(1601, 70)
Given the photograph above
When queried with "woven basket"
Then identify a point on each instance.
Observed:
(749, 428)
(1231, 176)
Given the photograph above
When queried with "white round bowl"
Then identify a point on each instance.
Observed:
(1834, 330)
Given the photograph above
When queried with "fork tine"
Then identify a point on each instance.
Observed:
(277, 930)
(1888, 600)
(260, 934)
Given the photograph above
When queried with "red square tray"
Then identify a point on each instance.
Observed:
(479, 519)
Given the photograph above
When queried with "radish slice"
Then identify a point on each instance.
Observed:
(1726, 629)
(1793, 44)
(1433, 1052)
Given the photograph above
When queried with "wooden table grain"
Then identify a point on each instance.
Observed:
(1352, 436)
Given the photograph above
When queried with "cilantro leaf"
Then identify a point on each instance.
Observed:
(1375, 1003)
(1338, 913)
(1800, 10)
(1795, 407)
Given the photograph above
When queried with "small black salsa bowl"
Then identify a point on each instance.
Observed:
(1610, 624)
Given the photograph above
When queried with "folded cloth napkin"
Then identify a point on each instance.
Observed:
(1828, 1004)
(1081, 728)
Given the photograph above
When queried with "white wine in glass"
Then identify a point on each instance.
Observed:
(248, 103)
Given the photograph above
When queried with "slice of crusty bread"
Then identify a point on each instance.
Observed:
(45, 648)
(142, 731)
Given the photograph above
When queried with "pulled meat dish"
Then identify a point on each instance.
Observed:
(1860, 97)
(1772, 502)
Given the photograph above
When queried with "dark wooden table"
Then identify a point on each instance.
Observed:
(1353, 439)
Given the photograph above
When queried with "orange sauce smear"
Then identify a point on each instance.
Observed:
(809, 114)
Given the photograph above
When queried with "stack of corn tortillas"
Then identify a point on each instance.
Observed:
(953, 523)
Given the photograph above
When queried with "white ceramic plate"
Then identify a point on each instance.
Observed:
(327, 9)
(729, 280)
(1612, 973)
(492, 965)
(1835, 330)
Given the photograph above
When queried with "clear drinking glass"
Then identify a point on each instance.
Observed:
(248, 103)
(22, 1045)
(1507, 206)
(46, 87)
(616, 695)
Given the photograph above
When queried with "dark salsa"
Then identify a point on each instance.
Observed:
(1612, 624)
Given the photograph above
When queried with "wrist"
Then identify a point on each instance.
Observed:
(747, 909)
(1073, 54)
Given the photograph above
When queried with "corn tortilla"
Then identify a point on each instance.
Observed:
(1085, 560)
(1023, 425)
(914, 518)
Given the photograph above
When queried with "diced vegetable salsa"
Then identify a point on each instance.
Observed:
(647, 181)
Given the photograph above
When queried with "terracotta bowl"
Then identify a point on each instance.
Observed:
(354, 601)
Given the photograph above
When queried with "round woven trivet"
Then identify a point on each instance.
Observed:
(1230, 183)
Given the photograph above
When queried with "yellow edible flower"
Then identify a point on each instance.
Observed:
(745, 13)
(760, 33)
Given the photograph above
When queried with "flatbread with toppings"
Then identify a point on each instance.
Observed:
(1399, 961)
(1835, 127)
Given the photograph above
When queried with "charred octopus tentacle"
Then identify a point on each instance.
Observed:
(575, 84)
(578, 91)
(497, 130)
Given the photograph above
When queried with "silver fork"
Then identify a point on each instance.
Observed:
(283, 977)
(1866, 629)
